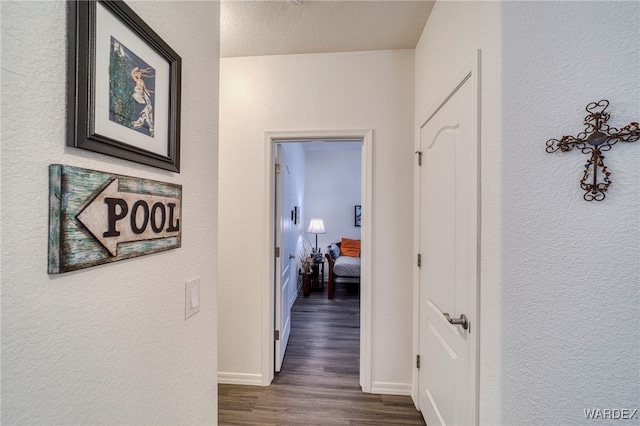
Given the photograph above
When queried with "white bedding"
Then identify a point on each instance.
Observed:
(347, 266)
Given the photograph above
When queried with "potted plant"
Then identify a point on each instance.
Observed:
(306, 269)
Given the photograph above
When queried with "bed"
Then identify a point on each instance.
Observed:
(344, 266)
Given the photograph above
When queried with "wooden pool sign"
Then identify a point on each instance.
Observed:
(97, 217)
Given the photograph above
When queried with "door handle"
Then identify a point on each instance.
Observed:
(291, 257)
(463, 320)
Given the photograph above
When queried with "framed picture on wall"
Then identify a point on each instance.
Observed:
(295, 215)
(124, 86)
(358, 216)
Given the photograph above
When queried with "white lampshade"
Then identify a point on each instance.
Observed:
(316, 226)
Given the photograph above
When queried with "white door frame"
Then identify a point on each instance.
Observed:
(470, 71)
(268, 243)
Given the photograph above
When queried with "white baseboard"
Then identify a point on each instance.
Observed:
(385, 388)
(240, 379)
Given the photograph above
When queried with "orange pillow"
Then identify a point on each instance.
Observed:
(350, 247)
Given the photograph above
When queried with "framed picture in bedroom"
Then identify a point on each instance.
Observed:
(358, 216)
(124, 86)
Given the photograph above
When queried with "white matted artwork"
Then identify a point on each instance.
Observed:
(119, 49)
(125, 83)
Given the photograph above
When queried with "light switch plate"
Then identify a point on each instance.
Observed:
(192, 298)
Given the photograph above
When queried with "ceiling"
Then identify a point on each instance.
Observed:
(282, 27)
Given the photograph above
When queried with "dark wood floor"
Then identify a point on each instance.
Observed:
(319, 381)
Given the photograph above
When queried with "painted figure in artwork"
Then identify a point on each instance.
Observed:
(142, 95)
(131, 90)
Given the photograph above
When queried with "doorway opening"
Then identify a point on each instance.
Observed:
(318, 196)
(322, 140)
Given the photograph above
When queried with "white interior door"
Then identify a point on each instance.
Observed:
(285, 264)
(449, 247)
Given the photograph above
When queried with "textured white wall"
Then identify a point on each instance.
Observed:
(453, 33)
(559, 280)
(107, 344)
(315, 92)
(332, 190)
(571, 268)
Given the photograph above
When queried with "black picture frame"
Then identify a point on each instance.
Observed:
(101, 110)
(358, 216)
(296, 215)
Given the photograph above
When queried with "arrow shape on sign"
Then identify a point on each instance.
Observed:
(115, 217)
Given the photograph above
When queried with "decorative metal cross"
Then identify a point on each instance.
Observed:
(598, 137)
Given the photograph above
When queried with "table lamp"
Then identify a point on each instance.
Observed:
(316, 226)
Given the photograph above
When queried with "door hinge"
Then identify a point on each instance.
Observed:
(418, 362)
(419, 157)
(277, 168)
(276, 334)
(419, 260)
(277, 251)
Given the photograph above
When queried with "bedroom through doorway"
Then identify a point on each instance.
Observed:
(319, 181)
